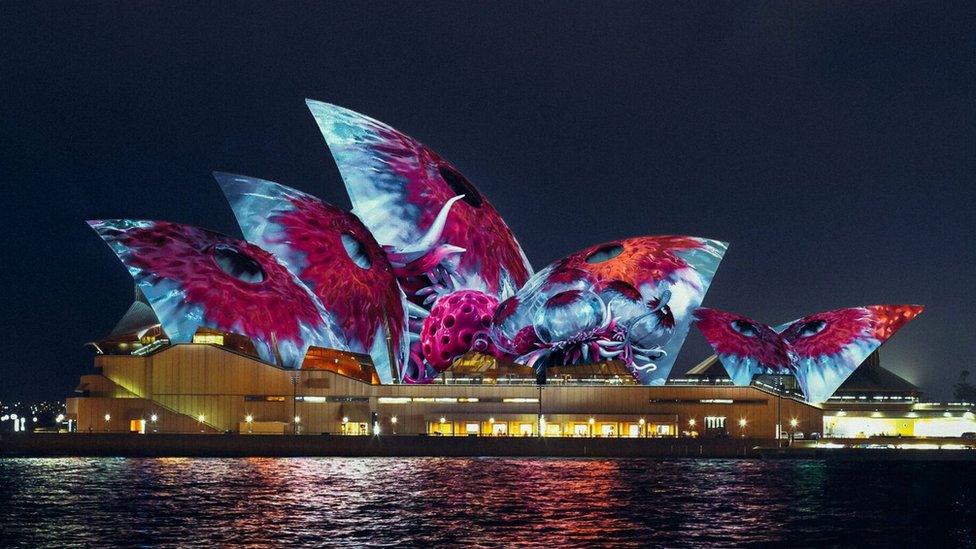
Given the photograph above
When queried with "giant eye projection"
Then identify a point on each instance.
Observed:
(424, 270)
(821, 350)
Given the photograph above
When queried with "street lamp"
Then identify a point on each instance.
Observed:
(345, 421)
(393, 420)
(643, 430)
(108, 418)
(742, 427)
(249, 419)
(154, 418)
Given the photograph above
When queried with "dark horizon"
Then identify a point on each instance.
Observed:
(832, 147)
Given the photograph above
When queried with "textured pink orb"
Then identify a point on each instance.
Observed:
(458, 323)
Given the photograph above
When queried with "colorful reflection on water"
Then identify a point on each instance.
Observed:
(485, 502)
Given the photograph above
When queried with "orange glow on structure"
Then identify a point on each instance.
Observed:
(347, 364)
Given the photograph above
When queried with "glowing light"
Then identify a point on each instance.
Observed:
(298, 419)
(394, 400)
(108, 417)
(875, 414)
(841, 413)
(345, 420)
(520, 400)
(491, 420)
(641, 421)
(443, 420)
(947, 414)
(153, 418)
(60, 418)
(393, 420)
(794, 422)
(592, 421)
(691, 422)
(249, 418)
(201, 417)
(742, 422)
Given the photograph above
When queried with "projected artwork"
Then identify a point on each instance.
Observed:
(629, 300)
(333, 254)
(424, 270)
(195, 278)
(442, 234)
(821, 350)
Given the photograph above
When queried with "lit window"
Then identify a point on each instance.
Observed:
(209, 339)
(714, 422)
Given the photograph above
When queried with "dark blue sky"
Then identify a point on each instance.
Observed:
(833, 145)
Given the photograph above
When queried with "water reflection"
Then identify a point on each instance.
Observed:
(486, 502)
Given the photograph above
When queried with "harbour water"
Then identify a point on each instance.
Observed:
(483, 501)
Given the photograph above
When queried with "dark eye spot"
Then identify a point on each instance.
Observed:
(605, 253)
(238, 264)
(747, 329)
(356, 251)
(460, 185)
(813, 327)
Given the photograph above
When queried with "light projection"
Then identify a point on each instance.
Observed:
(630, 300)
(402, 191)
(196, 278)
(335, 256)
(821, 350)
(424, 270)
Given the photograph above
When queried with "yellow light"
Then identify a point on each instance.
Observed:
(592, 421)
(742, 422)
(641, 421)
(249, 418)
(393, 420)
(443, 420)
(691, 422)
(491, 420)
(345, 420)
(60, 418)
(108, 417)
(841, 413)
(201, 417)
(298, 419)
(794, 422)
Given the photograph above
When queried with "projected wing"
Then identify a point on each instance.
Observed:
(629, 300)
(333, 254)
(830, 346)
(402, 191)
(745, 347)
(197, 278)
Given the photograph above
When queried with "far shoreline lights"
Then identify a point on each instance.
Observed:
(425, 271)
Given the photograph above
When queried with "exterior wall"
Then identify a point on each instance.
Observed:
(183, 382)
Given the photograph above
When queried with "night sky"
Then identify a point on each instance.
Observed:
(832, 145)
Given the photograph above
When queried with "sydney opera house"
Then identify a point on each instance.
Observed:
(419, 313)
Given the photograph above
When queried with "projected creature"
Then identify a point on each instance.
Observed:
(333, 254)
(195, 278)
(821, 350)
(441, 233)
(629, 300)
(425, 270)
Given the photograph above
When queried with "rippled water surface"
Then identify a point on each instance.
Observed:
(488, 502)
